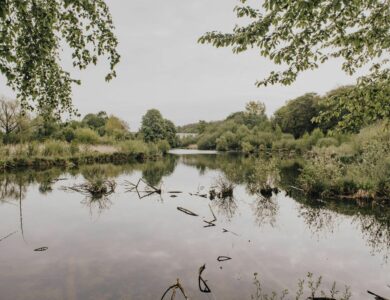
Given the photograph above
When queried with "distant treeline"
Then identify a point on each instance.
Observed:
(299, 125)
(94, 128)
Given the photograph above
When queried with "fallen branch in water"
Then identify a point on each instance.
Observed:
(149, 189)
(212, 222)
(174, 288)
(186, 211)
(205, 288)
(377, 297)
(7, 236)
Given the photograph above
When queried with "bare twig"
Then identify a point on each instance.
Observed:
(7, 236)
(212, 222)
(377, 297)
(174, 288)
(205, 288)
(186, 211)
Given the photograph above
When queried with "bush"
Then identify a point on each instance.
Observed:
(69, 134)
(246, 147)
(163, 146)
(86, 135)
(134, 147)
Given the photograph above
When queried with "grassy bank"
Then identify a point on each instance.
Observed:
(62, 154)
(356, 169)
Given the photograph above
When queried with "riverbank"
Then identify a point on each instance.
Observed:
(67, 155)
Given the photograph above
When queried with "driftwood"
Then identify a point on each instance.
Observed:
(186, 211)
(7, 236)
(203, 287)
(41, 249)
(199, 195)
(175, 287)
(223, 258)
(212, 222)
(377, 297)
(148, 191)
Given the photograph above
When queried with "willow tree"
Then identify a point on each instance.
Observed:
(32, 35)
(300, 35)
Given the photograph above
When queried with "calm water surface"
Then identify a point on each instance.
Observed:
(126, 247)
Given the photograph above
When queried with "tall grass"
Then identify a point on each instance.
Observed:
(357, 168)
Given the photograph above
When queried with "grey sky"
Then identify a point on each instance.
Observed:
(163, 67)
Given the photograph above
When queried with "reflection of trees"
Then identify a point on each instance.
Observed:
(320, 217)
(376, 229)
(154, 171)
(265, 210)
(317, 218)
(12, 187)
(373, 222)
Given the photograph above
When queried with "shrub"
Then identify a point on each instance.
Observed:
(69, 134)
(163, 146)
(86, 135)
(246, 147)
(134, 147)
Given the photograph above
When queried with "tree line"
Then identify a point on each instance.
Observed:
(18, 127)
(298, 125)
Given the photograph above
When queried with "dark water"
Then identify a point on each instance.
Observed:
(124, 247)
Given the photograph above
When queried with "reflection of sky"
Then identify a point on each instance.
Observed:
(137, 248)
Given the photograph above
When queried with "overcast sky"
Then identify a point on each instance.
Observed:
(164, 67)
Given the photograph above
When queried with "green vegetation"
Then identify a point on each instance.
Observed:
(31, 38)
(291, 129)
(358, 168)
(155, 128)
(38, 142)
(302, 35)
(352, 164)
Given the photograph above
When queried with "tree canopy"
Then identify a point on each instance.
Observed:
(296, 117)
(155, 128)
(32, 34)
(301, 35)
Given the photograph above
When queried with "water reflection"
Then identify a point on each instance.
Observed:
(265, 211)
(163, 244)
